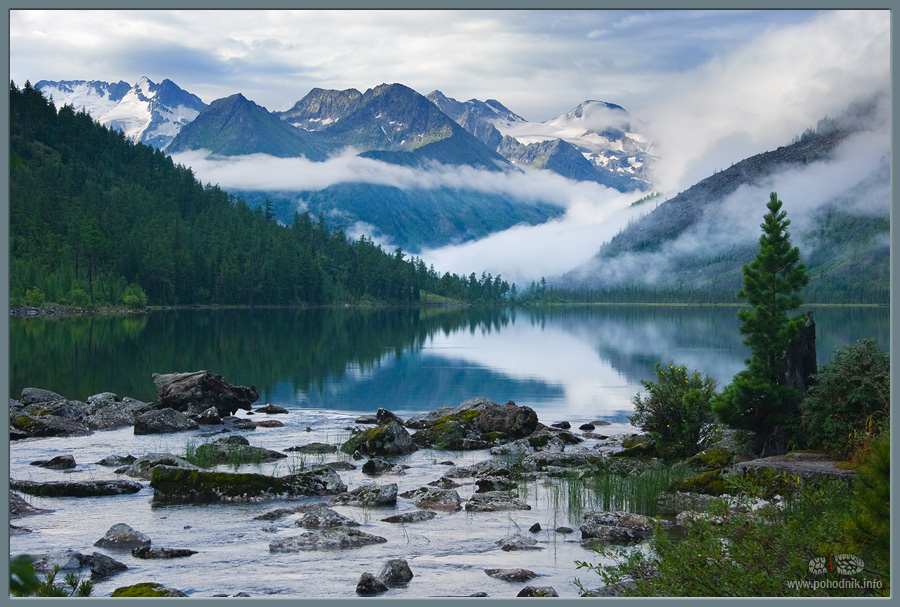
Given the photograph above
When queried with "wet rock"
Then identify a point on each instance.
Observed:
(518, 542)
(117, 461)
(60, 462)
(587, 427)
(107, 410)
(378, 465)
(333, 538)
(543, 460)
(75, 488)
(432, 498)
(121, 535)
(321, 517)
(103, 566)
(269, 423)
(195, 392)
(535, 528)
(594, 435)
(145, 552)
(186, 486)
(802, 465)
(562, 425)
(564, 530)
(227, 450)
(278, 513)
(366, 419)
(444, 483)
(390, 439)
(493, 483)
(340, 466)
(19, 508)
(396, 572)
(416, 516)
(512, 575)
(210, 417)
(369, 496)
(143, 467)
(494, 501)
(272, 410)
(615, 527)
(146, 589)
(314, 448)
(383, 417)
(66, 560)
(369, 585)
(538, 442)
(163, 421)
(15, 530)
(534, 591)
(38, 418)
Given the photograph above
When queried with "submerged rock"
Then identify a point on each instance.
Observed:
(537, 591)
(75, 488)
(272, 410)
(179, 485)
(369, 495)
(518, 542)
(278, 513)
(512, 575)
(121, 535)
(103, 566)
(60, 462)
(494, 501)
(432, 498)
(370, 585)
(19, 508)
(145, 552)
(117, 461)
(416, 516)
(333, 538)
(143, 468)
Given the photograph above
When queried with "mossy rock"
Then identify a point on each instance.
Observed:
(715, 458)
(637, 441)
(389, 439)
(708, 483)
(181, 485)
(540, 441)
(146, 589)
(491, 437)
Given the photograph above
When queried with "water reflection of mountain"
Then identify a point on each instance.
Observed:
(413, 383)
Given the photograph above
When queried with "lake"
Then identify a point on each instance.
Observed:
(327, 366)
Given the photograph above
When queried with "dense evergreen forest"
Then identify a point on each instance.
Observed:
(98, 220)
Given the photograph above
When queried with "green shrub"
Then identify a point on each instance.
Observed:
(869, 527)
(849, 404)
(78, 298)
(676, 411)
(134, 297)
(34, 298)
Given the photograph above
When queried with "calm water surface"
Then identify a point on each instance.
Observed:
(327, 367)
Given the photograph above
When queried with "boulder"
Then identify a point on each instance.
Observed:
(60, 462)
(615, 527)
(366, 419)
(474, 424)
(66, 560)
(19, 508)
(231, 451)
(432, 498)
(146, 552)
(30, 396)
(277, 513)
(340, 466)
(197, 391)
(314, 448)
(332, 538)
(210, 417)
(537, 442)
(562, 425)
(536, 528)
(564, 530)
(163, 421)
(108, 410)
(540, 591)
(544, 460)
(321, 517)
(117, 461)
(368, 496)
(43, 418)
(384, 417)
(493, 483)
(512, 575)
(75, 488)
(187, 486)
(396, 572)
(518, 542)
(417, 516)
(494, 501)
(378, 465)
(796, 464)
(272, 410)
(143, 468)
(369, 585)
(146, 589)
(390, 439)
(587, 427)
(121, 535)
(444, 483)
(103, 566)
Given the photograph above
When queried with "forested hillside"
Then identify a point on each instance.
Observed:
(95, 219)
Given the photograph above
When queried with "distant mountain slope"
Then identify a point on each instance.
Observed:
(696, 240)
(146, 112)
(596, 141)
(319, 108)
(236, 126)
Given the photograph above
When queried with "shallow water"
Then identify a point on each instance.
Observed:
(447, 555)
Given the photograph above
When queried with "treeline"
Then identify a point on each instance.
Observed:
(98, 220)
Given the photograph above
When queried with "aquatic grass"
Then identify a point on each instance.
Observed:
(579, 491)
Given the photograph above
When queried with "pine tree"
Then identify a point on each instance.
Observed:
(758, 399)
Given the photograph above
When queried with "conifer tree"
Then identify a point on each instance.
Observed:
(758, 399)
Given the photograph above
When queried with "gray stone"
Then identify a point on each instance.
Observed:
(518, 542)
(164, 421)
(333, 538)
(143, 468)
(31, 396)
(387, 440)
(539, 591)
(75, 488)
(121, 535)
(512, 575)
(368, 496)
(103, 566)
(396, 572)
(494, 501)
(416, 516)
(146, 552)
(197, 391)
(615, 527)
(19, 508)
(66, 560)
(60, 462)
(432, 498)
(321, 517)
(369, 585)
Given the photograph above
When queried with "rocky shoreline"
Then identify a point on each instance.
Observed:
(524, 450)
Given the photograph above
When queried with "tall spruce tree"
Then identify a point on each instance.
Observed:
(758, 398)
